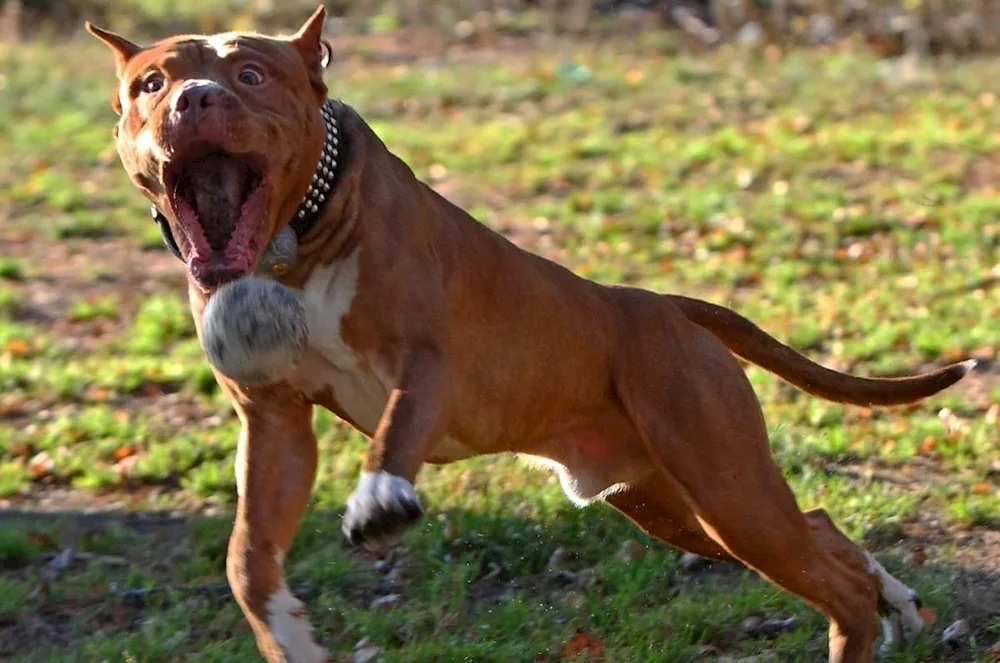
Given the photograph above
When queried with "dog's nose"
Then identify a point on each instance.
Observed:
(194, 100)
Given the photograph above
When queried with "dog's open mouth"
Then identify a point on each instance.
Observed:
(220, 201)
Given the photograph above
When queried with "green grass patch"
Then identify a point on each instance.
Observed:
(846, 213)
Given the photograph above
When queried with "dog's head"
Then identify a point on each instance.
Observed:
(222, 133)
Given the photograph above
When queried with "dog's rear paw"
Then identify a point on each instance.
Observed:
(899, 608)
(901, 621)
(380, 509)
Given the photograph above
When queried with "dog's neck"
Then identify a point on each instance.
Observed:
(317, 195)
(322, 184)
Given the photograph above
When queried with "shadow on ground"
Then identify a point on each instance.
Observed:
(151, 585)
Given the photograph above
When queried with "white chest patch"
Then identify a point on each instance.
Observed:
(329, 362)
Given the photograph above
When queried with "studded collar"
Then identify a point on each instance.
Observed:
(316, 195)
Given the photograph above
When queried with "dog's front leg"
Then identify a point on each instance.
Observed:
(275, 469)
(385, 502)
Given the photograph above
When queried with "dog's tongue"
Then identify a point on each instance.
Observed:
(216, 190)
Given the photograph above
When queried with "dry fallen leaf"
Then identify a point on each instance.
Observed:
(17, 347)
(915, 557)
(634, 76)
(19, 449)
(124, 451)
(100, 394)
(125, 465)
(929, 615)
(41, 465)
(582, 643)
(42, 540)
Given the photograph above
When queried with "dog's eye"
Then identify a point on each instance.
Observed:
(251, 76)
(152, 83)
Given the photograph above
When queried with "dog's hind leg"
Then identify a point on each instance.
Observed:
(696, 412)
(275, 469)
(661, 511)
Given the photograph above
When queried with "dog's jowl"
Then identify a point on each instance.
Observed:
(438, 339)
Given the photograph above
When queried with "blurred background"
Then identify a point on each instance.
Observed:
(828, 168)
(888, 26)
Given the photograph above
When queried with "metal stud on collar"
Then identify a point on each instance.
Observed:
(322, 179)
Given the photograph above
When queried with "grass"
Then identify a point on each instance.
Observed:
(850, 214)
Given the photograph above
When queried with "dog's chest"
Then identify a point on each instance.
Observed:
(331, 372)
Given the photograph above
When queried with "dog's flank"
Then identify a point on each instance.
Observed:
(747, 340)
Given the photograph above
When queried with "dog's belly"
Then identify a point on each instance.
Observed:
(449, 450)
(595, 461)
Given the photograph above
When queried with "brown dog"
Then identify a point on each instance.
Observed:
(440, 340)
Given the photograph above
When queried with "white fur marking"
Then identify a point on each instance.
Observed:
(223, 44)
(900, 628)
(327, 297)
(146, 145)
(382, 489)
(581, 490)
(969, 365)
(377, 494)
(292, 631)
(241, 465)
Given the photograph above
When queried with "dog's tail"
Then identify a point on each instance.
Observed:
(747, 340)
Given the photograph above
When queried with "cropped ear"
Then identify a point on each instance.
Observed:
(315, 52)
(116, 104)
(123, 49)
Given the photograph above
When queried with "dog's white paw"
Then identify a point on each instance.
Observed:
(381, 507)
(290, 627)
(898, 608)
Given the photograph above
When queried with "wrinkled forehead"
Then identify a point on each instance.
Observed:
(190, 55)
